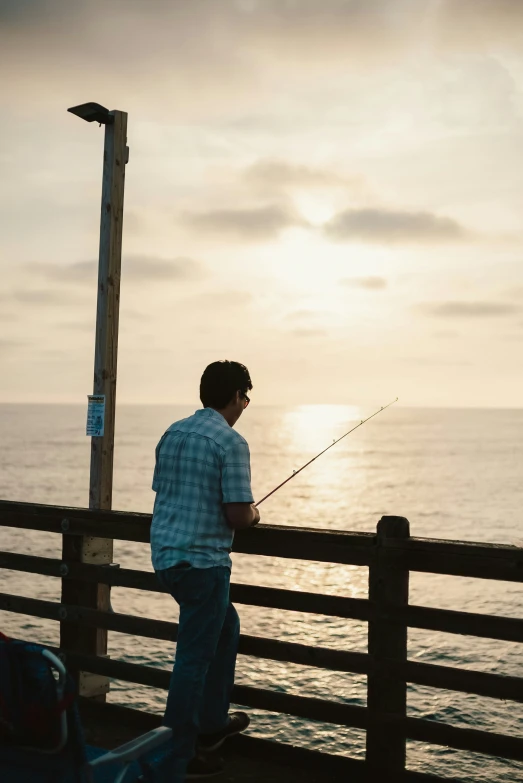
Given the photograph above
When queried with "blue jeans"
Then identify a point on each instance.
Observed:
(203, 673)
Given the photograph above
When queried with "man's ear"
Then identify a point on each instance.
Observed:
(235, 398)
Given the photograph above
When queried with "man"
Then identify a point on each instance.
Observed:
(202, 481)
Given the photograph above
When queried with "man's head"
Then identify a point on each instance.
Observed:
(224, 386)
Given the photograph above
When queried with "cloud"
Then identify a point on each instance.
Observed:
(134, 223)
(77, 326)
(308, 333)
(220, 299)
(304, 26)
(434, 362)
(277, 174)
(391, 226)
(370, 283)
(44, 297)
(255, 224)
(147, 268)
(79, 272)
(135, 315)
(306, 315)
(8, 345)
(515, 292)
(23, 11)
(227, 58)
(446, 334)
(470, 309)
(71, 285)
(135, 268)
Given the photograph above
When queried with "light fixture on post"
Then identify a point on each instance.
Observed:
(93, 112)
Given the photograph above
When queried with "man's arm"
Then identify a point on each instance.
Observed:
(156, 482)
(241, 515)
(238, 501)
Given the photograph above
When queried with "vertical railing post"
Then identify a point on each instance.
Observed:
(387, 641)
(88, 549)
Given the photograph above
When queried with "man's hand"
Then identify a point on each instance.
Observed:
(241, 515)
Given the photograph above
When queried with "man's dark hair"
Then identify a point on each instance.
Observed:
(221, 380)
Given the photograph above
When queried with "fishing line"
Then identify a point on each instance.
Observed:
(295, 472)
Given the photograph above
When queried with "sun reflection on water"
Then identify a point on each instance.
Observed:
(313, 427)
(309, 429)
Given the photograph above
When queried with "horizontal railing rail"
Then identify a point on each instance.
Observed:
(454, 558)
(390, 556)
(508, 629)
(457, 558)
(268, 597)
(272, 649)
(289, 542)
(450, 678)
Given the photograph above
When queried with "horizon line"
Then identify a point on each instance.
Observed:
(264, 405)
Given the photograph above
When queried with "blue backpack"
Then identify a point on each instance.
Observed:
(30, 707)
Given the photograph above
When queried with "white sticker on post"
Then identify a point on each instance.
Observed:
(95, 415)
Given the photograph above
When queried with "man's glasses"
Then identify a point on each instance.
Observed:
(246, 400)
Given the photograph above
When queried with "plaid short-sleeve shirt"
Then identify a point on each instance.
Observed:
(201, 463)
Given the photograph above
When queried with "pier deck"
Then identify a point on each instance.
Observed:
(247, 760)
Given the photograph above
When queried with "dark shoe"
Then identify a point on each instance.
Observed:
(200, 768)
(238, 721)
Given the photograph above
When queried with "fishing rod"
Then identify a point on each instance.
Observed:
(295, 472)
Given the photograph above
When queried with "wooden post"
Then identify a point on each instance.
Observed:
(386, 694)
(88, 549)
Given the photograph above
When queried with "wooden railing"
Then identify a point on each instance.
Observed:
(390, 555)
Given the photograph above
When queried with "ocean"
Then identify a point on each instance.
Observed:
(455, 474)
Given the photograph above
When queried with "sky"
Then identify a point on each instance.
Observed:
(329, 192)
